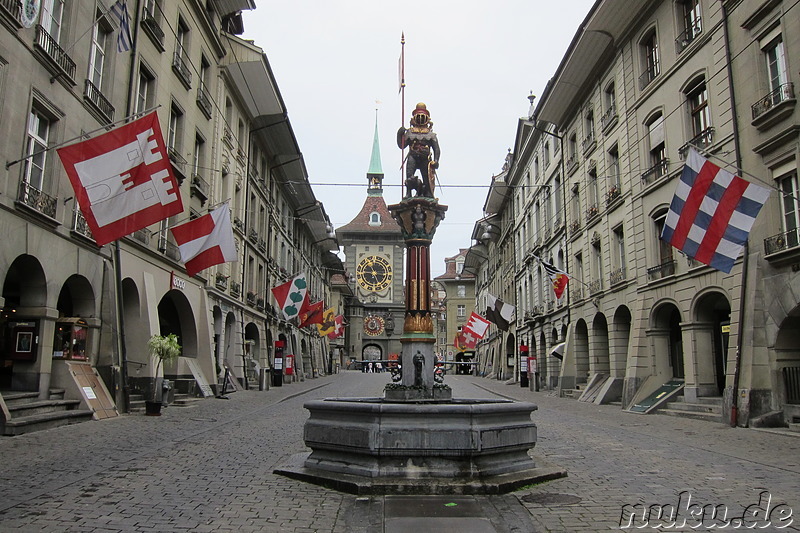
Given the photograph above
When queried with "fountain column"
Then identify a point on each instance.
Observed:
(418, 219)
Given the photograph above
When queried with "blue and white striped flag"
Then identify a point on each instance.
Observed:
(120, 11)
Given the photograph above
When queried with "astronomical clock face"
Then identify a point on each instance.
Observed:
(374, 273)
(373, 325)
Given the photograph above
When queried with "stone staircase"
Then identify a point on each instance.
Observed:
(705, 408)
(28, 413)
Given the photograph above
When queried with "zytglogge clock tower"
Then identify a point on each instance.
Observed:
(373, 246)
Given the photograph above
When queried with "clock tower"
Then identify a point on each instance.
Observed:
(373, 246)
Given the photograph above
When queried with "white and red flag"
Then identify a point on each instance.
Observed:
(206, 241)
(466, 340)
(291, 296)
(123, 179)
(712, 213)
(558, 278)
(338, 327)
(477, 324)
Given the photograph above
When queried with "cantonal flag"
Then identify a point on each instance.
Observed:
(311, 313)
(123, 179)
(206, 241)
(328, 324)
(558, 278)
(712, 212)
(291, 296)
(477, 324)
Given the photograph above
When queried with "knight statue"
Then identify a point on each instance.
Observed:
(421, 141)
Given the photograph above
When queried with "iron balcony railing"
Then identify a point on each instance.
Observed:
(609, 118)
(37, 200)
(80, 226)
(648, 76)
(153, 30)
(783, 93)
(617, 276)
(688, 36)
(661, 271)
(612, 194)
(236, 289)
(204, 100)
(782, 241)
(221, 282)
(595, 286)
(701, 140)
(180, 68)
(95, 96)
(12, 7)
(57, 54)
(656, 171)
(588, 143)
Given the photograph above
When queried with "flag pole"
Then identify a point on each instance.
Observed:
(402, 101)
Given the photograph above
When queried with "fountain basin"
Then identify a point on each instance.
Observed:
(458, 446)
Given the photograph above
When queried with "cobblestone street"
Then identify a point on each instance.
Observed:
(209, 468)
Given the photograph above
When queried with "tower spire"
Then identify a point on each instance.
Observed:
(375, 172)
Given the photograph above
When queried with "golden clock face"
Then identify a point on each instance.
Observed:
(374, 273)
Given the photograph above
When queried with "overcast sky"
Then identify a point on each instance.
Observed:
(472, 62)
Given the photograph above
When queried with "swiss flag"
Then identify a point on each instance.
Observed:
(123, 179)
(206, 241)
(338, 327)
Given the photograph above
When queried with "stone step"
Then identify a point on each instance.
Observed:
(39, 422)
(41, 406)
(705, 400)
(695, 407)
(13, 398)
(709, 417)
(184, 400)
(795, 427)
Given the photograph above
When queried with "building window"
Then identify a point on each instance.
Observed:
(175, 129)
(462, 311)
(199, 155)
(52, 13)
(691, 22)
(613, 169)
(145, 90)
(699, 117)
(546, 155)
(610, 102)
(791, 208)
(651, 66)
(619, 247)
(594, 194)
(461, 291)
(664, 248)
(97, 54)
(374, 219)
(39, 127)
(588, 125)
(776, 63)
(656, 141)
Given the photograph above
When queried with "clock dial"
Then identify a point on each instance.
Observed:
(374, 273)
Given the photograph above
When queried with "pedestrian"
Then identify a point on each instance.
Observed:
(378, 367)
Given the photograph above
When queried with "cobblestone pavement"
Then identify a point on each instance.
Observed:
(209, 468)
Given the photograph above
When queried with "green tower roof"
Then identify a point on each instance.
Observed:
(375, 161)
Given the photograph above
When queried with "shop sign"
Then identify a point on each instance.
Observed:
(176, 282)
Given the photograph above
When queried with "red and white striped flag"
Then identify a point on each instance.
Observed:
(206, 241)
(477, 324)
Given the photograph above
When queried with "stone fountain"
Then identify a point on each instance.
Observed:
(418, 439)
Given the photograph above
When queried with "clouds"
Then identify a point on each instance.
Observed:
(473, 63)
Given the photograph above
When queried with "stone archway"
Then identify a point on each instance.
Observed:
(710, 333)
(600, 362)
(667, 341)
(620, 336)
(175, 315)
(581, 352)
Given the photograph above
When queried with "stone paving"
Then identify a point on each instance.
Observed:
(209, 468)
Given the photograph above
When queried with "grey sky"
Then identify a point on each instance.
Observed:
(472, 62)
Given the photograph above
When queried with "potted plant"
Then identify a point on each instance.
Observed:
(166, 349)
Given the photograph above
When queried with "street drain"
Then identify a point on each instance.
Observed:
(551, 498)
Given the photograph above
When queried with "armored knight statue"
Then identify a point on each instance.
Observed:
(421, 141)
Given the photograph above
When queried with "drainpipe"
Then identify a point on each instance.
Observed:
(743, 295)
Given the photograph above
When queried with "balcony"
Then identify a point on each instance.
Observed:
(609, 119)
(655, 172)
(59, 59)
(204, 101)
(169, 249)
(774, 107)
(180, 67)
(613, 194)
(262, 246)
(241, 156)
(80, 226)
(143, 236)
(95, 97)
(253, 236)
(589, 144)
(572, 164)
(617, 276)
(236, 289)
(227, 137)
(782, 241)
(647, 76)
(661, 271)
(10, 8)
(199, 188)
(221, 282)
(701, 140)
(178, 161)
(595, 286)
(37, 200)
(238, 225)
(591, 212)
(688, 36)
(152, 29)
(251, 298)
(574, 227)
(260, 304)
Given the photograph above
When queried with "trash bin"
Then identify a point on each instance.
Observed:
(166, 388)
(263, 381)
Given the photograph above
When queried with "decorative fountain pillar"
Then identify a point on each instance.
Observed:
(418, 218)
